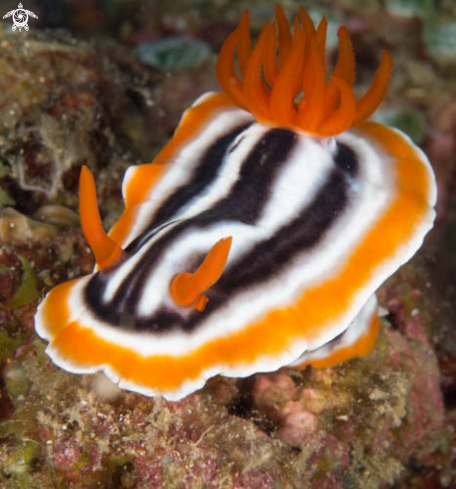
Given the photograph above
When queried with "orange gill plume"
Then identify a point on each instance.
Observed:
(282, 80)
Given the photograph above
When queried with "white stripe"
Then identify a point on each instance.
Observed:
(183, 167)
(308, 270)
(375, 190)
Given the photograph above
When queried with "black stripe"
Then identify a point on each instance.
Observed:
(264, 261)
(245, 203)
(346, 159)
(303, 233)
(203, 176)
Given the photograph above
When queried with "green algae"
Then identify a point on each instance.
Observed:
(5, 199)
(17, 464)
(27, 292)
(8, 345)
(440, 40)
(377, 461)
(174, 54)
(17, 382)
(410, 8)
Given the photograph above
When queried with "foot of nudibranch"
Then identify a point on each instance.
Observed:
(357, 340)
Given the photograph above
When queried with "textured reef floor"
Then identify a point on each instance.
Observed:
(385, 420)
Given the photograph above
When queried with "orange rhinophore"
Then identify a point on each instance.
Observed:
(283, 81)
(187, 288)
(105, 250)
(258, 236)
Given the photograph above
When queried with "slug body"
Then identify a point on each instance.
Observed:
(259, 234)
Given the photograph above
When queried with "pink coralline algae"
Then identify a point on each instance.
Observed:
(373, 423)
(297, 425)
(65, 454)
(298, 428)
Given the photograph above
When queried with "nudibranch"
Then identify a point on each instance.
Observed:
(259, 234)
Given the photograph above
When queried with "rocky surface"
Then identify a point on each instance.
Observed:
(384, 420)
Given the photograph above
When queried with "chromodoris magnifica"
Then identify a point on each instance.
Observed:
(259, 234)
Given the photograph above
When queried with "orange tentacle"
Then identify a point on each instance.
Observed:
(309, 27)
(186, 288)
(367, 104)
(255, 91)
(245, 45)
(345, 66)
(287, 84)
(311, 114)
(341, 119)
(226, 74)
(284, 36)
(283, 79)
(105, 250)
(270, 57)
(344, 70)
(320, 37)
(307, 80)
